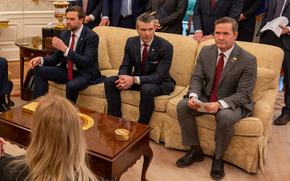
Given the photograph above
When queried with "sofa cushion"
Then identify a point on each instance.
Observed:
(103, 54)
(133, 98)
(265, 77)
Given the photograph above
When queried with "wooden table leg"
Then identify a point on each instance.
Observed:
(147, 159)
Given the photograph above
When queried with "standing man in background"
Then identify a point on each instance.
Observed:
(247, 20)
(275, 9)
(122, 13)
(92, 9)
(168, 14)
(207, 11)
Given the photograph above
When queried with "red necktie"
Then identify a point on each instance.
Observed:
(70, 63)
(218, 72)
(144, 57)
(212, 3)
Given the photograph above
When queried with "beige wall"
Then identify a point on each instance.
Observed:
(25, 5)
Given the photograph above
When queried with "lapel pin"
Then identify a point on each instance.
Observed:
(234, 59)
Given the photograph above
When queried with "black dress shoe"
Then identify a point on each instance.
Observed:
(217, 169)
(194, 155)
(282, 119)
(4, 107)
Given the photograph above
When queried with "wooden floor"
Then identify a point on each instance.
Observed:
(163, 166)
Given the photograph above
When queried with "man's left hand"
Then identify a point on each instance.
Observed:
(87, 19)
(213, 107)
(285, 29)
(59, 44)
(124, 82)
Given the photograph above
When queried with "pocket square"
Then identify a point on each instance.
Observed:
(154, 62)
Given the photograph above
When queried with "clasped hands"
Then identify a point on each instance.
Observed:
(212, 107)
(124, 82)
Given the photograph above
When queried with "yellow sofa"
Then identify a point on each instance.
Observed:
(249, 145)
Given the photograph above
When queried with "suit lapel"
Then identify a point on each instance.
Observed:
(151, 54)
(212, 56)
(137, 54)
(81, 38)
(231, 61)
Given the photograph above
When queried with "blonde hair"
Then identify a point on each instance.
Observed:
(57, 151)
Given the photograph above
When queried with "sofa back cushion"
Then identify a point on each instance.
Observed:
(115, 38)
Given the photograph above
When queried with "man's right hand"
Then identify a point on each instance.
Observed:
(104, 22)
(191, 104)
(198, 35)
(34, 62)
(2, 143)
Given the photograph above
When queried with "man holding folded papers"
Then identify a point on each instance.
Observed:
(276, 9)
(224, 78)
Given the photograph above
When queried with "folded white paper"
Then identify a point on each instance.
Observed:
(274, 25)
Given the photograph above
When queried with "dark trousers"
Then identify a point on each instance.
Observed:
(43, 74)
(147, 94)
(246, 29)
(5, 87)
(225, 120)
(268, 37)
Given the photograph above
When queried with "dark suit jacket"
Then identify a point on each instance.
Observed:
(95, 8)
(8, 174)
(112, 9)
(247, 26)
(157, 65)
(270, 6)
(204, 17)
(237, 80)
(175, 11)
(85, 56)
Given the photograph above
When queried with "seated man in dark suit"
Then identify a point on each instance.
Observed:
(5, 86)
(168, 14)
(74, 63)
(150, 57)
(224, 78)
(93, 10)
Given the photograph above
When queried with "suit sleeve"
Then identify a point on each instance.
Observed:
(196, 19)
(126, 66)
(177, 15)
(106, 7)
(251, 11)
(90, 53)
(236, 9)
(245, 87)
(98, 10)
(162, 70)
(198, 76)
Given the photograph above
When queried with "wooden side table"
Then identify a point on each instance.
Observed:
(30, 47)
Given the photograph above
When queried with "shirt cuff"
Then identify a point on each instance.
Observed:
(193, 95)
(41, 61)
(137, 78)
(198, 31)
(66, 52)
(105, 17)
(288, 29)
(92, 17)
(223, 104)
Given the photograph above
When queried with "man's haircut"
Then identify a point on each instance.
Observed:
(146, 18)
(227, 20)
(81, 13)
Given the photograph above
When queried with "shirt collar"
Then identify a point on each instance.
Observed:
(149, 43)
(78, 33)
(226, 53)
